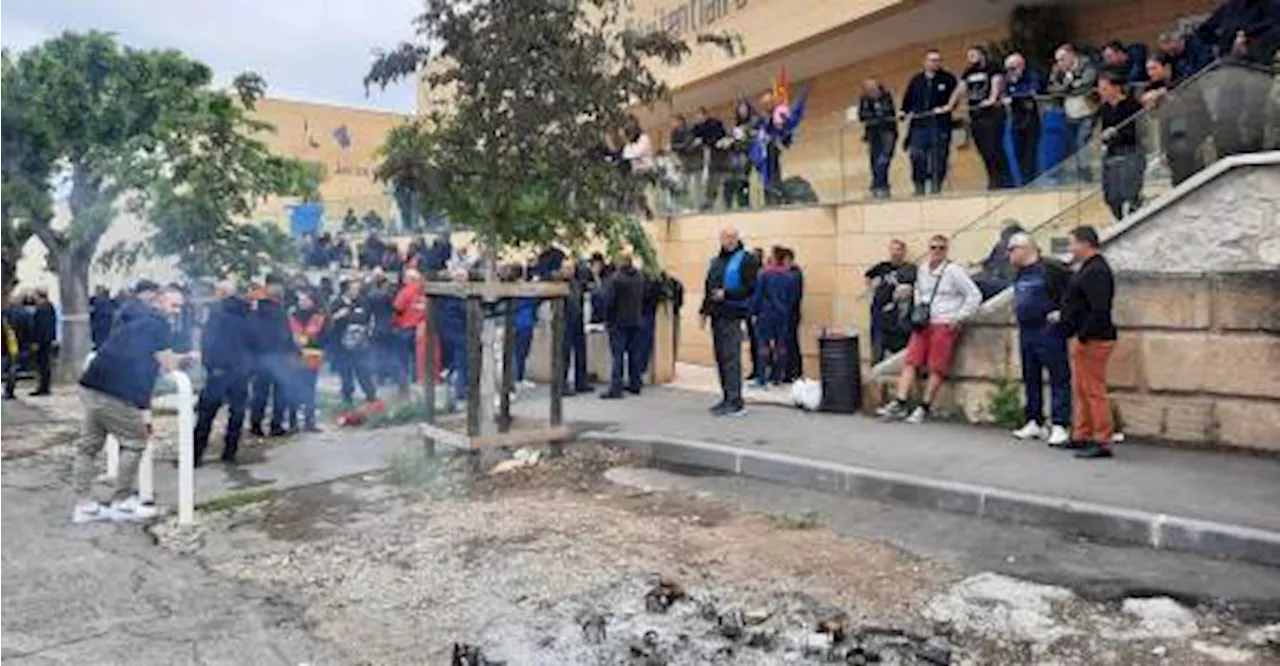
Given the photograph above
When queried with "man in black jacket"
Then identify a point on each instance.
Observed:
(727, 291)
(44, 333)
(623, 302)
(710, 133)
(223, 348)
(575, 333)
(352, 332)
(880, 131)
(1086, 316)
(929, 99)
(274, 350)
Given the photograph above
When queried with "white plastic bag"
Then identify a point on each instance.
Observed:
(806, 394)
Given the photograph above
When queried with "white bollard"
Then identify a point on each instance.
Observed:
(146, 468)
(186, 401)
(113, 459)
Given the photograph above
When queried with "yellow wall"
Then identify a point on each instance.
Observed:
(305, 131)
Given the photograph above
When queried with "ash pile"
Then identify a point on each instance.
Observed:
(673, 627)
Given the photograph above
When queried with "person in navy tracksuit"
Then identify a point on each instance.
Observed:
(773, 304)
(1038, 289)
(526, 319)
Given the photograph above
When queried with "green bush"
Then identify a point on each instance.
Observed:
(1006, 407)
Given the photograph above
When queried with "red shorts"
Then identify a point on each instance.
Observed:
(932, 346)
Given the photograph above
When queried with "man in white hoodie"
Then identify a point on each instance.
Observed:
(945, 296)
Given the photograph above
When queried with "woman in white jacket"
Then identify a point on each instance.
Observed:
(945, 296)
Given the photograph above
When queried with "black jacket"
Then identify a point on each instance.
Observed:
(102, 310)
(1087, 306)
(624, 297)
(737, 298)
(269, 329)
(225, 343)
(877, 114)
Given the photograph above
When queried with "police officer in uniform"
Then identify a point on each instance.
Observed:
(224, 351)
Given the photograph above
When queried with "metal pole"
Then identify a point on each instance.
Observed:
(186, 449)
(508, 365)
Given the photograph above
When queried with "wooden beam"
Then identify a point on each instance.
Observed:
(557, 362)
(475, 358)
(439, 435)
(496, 290)
(523, 437)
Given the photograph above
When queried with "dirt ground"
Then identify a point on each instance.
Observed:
(550, 563)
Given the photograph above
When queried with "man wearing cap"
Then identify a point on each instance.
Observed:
(1038, 288)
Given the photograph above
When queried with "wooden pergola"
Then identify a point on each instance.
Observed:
(477, 294)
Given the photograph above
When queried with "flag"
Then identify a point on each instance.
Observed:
(342, 136)
(781, 93)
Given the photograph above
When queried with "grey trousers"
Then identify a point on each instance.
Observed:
(104, 415)
(726, 340)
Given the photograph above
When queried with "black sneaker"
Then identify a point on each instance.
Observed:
(1073, 445)
(734, 410)
(278, 432)
(1094, 451)
(611, 395)
(894, 411)
(256, 431)
(718, 408)
(633, 390)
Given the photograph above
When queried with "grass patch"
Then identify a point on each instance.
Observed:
(238, 498)
(797, 521)
(412, 468)
(1006, 403)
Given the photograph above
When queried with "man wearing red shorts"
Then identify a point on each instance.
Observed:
(946, 292)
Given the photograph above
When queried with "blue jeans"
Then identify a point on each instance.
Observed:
(624, 346)
(880, 147)
(520, 347)
(453, 353)
(1042, 350)
(353, 367)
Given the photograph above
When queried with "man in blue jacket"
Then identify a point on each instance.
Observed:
(116, 393)
(223, 349)
(928, 101)
(727, 291)
(1038, 289)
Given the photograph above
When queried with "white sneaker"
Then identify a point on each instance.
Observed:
(1058, 436)
(917, 415)
(526, 384)
(90, 512)
(132, 510)
(1031, 430)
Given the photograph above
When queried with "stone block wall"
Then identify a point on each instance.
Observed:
(1198, 360)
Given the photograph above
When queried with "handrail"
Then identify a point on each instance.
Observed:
(183, 400)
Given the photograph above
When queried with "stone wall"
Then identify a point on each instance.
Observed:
(1198, 306)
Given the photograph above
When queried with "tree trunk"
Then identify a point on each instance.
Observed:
(73, 289)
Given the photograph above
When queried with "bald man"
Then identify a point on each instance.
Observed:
(228, 363)
(726, 301)
(1022, 86)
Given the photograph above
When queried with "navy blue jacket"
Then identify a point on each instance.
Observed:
(924, 95)
(269, 329)
(777, 295)
(125, 367)
(451, 319)
(226, 341)
(44, 324)
(1038, 289)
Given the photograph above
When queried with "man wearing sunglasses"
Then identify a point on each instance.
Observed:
(945, 296)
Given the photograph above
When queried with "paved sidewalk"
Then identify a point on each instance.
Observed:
(1228, 488)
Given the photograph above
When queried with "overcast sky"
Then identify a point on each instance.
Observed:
(313, 50)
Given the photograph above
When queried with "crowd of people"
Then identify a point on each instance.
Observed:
(30, 335)
(705, 163)
(1091, 91)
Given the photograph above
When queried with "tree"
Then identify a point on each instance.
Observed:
(536, 87)
(24, 171)
(138, 130)
(194, 213)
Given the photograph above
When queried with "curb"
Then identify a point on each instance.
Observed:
(1100, 522)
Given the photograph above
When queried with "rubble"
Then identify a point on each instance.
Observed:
(665, 592)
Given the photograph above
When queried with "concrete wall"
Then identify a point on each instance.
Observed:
(1198, 306)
